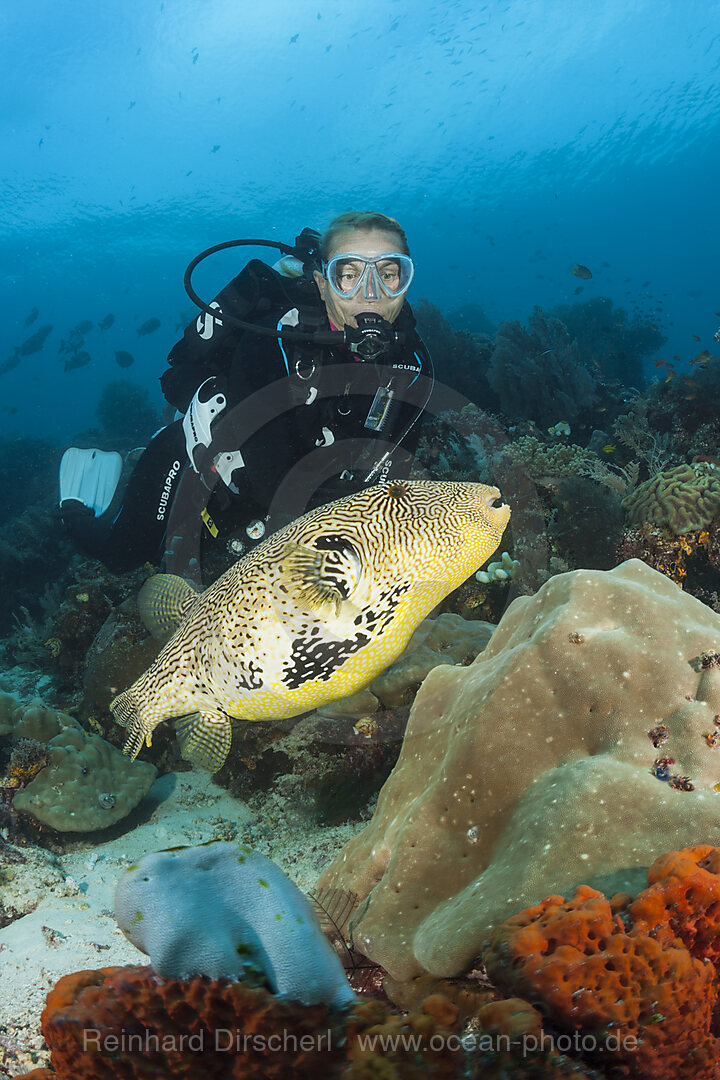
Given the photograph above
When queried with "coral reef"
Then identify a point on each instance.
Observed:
(688, 406)
(586, 525)
(126, 414)
(29, 469)
(34, 554)
(501, 570)
(691, 560)
(31, 720)
(261, 922)
(532, 770)
(86, 784)
(608, 340)
(120, 651)
(540, 374)
(684, 499)
(638, 977)
(461, 355)
(64, 777)
(543, 459)
(229, 1030)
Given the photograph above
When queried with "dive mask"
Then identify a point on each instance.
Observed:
(389, 274)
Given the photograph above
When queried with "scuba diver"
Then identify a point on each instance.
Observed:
(299, 383)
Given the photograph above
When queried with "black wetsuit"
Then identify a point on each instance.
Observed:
(297, 412)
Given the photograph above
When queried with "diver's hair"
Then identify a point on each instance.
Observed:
(364, 220)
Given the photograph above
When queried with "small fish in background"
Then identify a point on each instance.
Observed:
(124, 358)
(576, 292)
(561, 428)
(107, 322)
(148, 327)
(34, 343)
(716, 335)
(609, 448)
(30, 319)
(581, 271)
(9, 365)
(702, 358)
(72, 343)
(82, 328)
(77, 360)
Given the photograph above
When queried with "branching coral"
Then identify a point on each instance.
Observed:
(634, 430)
(549, 459)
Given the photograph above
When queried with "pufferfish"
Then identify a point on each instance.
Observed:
(311, 615)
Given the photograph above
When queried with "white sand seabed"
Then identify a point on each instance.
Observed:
(73, 927)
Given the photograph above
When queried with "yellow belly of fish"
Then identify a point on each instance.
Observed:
(277, 699)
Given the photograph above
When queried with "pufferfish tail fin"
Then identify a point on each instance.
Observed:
(127, 710)
(163, 603)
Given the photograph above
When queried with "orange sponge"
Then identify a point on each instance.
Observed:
(641, 1002)
(129, 1022)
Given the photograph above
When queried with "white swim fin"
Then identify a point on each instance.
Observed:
(90, 477)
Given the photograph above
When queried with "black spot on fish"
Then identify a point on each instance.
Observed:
(319, 659)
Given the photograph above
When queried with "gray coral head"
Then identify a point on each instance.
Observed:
(260, 921)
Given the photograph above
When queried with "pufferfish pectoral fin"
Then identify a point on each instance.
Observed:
(163, 603)
(205, 738)
(303, 575)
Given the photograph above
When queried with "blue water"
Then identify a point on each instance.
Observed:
(512, 140)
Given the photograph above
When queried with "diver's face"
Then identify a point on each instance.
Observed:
(371, 244)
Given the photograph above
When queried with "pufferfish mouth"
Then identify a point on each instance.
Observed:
(493, 510)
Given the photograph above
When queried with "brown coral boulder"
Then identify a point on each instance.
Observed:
(683, 499)
(532, 770)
